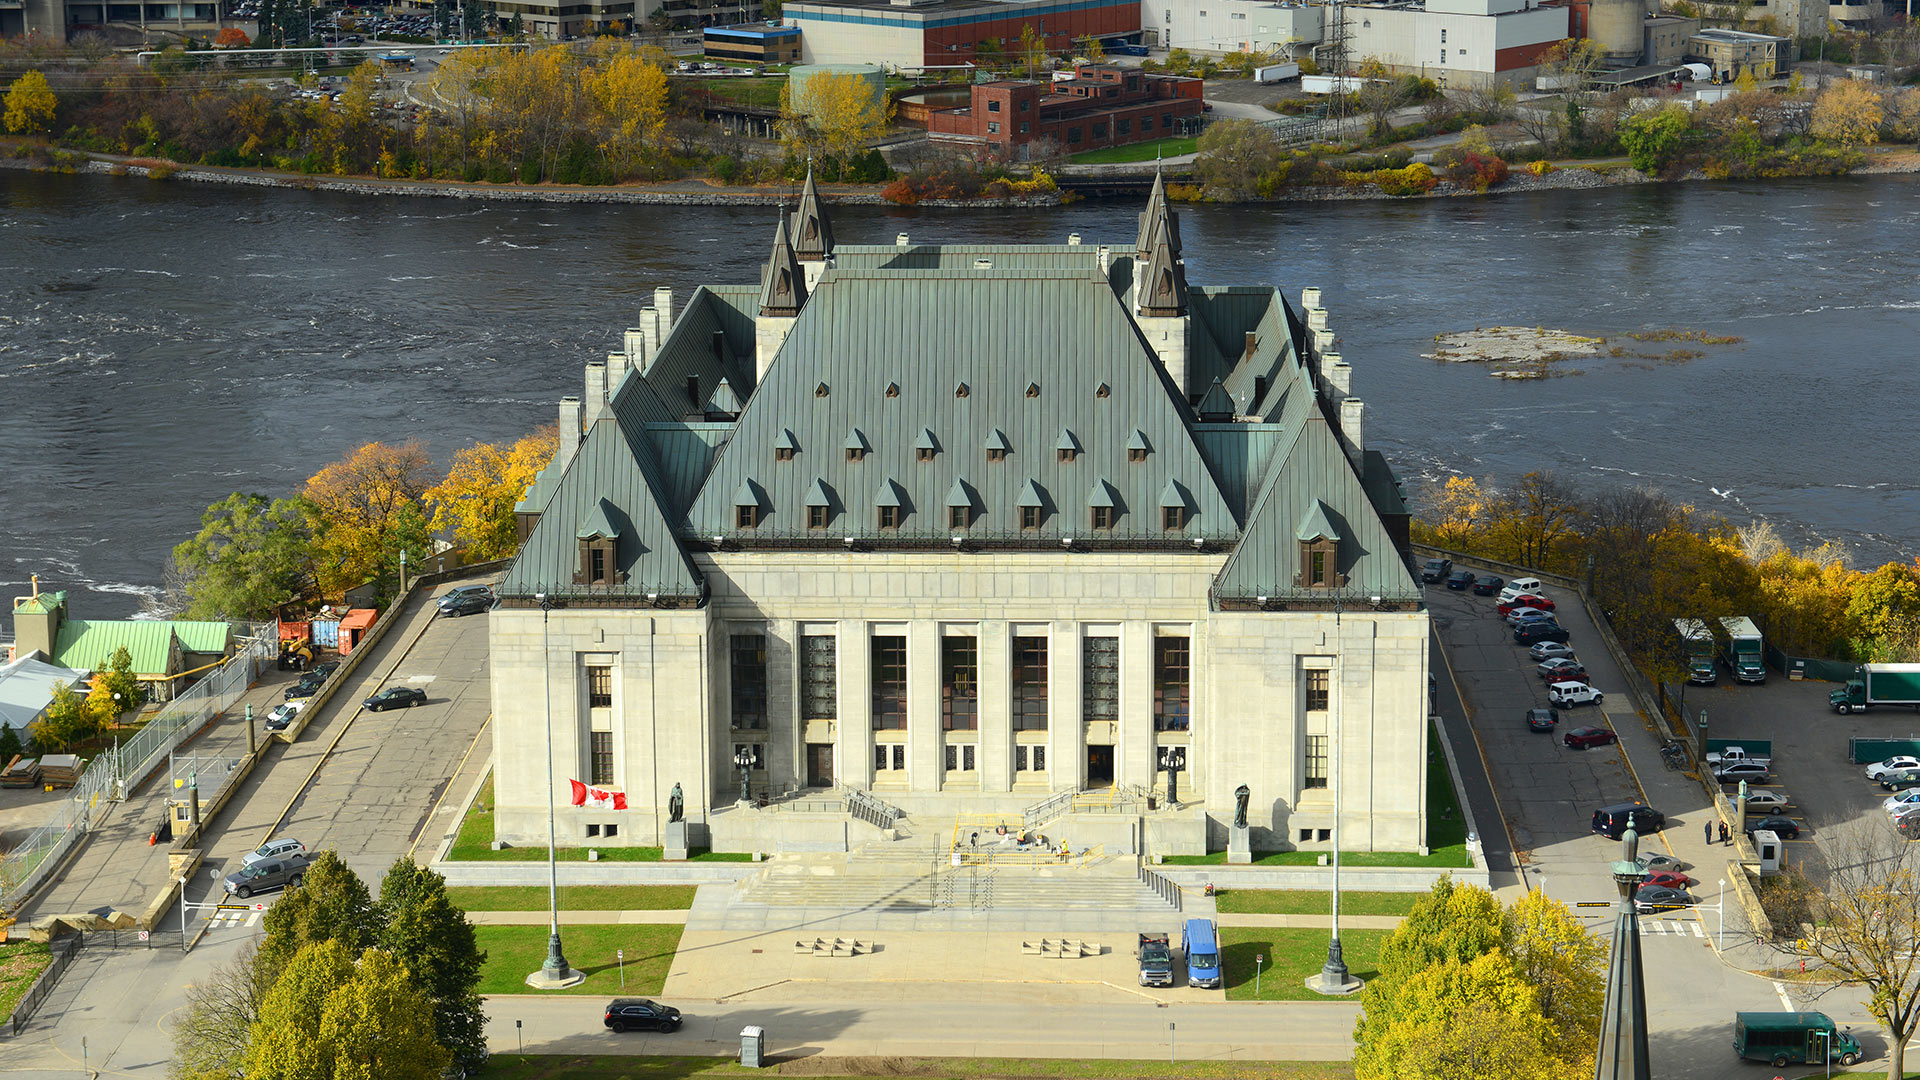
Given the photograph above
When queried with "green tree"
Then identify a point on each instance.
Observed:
(10, 747)
(249, 556)
(432, 938)
(334, 1014)
(117, 673)
(1238, 158)
(1657, 138)
(356, 506)
(1461, 1021)
(66, 723)
(331, 904)
(1883, 612)
(31, 104)
(1565, 962)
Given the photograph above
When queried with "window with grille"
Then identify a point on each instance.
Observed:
(889, 517)
(816, 517)
(1103, 517)
(1137, 453)
(1316, 770)
(819, 677)
(1172, 680)
(887, 758)
(1029, 517)
(1030, 683)
(746, 517)
(749, 679)
(960, 757)
(889, 682)
(596, 564)
(600, 757)
(996, 454)
(1319, 685)
(1173, 518)
(957, 516)
(599, 687)
(1100, 678)
(959, 683)
(783, 453)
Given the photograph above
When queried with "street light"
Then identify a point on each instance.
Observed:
(555, 969)
(743, 757)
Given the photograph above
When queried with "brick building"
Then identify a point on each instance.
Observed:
(1102, 105)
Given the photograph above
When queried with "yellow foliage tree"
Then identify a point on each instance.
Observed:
(833, 115)
(1849, 113)
(1460, 512)
(31, 104)
(475, 502)
(359, 504)
(630, 99)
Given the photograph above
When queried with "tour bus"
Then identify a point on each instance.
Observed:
(1792, 1038)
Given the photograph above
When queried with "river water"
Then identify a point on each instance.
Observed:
(164, 344)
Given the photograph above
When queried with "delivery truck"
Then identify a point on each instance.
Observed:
(1879, 684)
(1742, 649)
(1696, 642)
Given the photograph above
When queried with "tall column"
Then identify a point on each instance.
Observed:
(926, 761)
(1133, 751)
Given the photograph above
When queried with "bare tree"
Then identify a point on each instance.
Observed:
(1759, 541)
(1867, 926)
(211, 1035)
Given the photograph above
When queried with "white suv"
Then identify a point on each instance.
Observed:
(1568, 694)
(274, 849)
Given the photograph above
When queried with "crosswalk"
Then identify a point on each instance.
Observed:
(233, 920)
(1675, 927)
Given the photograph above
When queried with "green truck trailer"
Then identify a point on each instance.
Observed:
(1742, 647)
(1696, 642)
(1792, 1038)
(1879, 684)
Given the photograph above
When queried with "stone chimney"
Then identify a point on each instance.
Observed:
(663, 304)
(569, 430)
(595, 399)
(1310, 298)
(1339, 377)
(1353, 425)
(1316, 318)
(635, 344)
(1322, 343)
(616, 371)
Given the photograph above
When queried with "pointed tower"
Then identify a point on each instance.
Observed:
(1160, 287)
(783, 289)
(812, 232)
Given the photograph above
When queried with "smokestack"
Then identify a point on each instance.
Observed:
(616, 371)
(1253, 342)
(1339, 375)
(1316, 318)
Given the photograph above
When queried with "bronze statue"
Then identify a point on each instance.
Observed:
(676, 804)
(1240, 796)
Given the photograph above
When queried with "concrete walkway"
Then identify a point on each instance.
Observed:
(576, 918)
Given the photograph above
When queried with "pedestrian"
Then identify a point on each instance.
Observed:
(1708, 826)
(1726, 834)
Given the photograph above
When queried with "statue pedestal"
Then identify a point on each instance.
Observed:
(676, 842)
(1239, 845)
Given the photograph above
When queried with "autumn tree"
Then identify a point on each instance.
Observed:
(1535, 517)
(1847, 112)
(1238, 158)
(1379, 95)
(1656, 139)
(66, 723)
(1459, 513)
(31, 104)
(424, 931)
(358, 505)
(117, 674)
(833, 116)
(231, 37)
(474, 504)
(212, 1031)
(1883, 613)
(249, 556)
(334, 1014)
(332, 903)
(630, 100)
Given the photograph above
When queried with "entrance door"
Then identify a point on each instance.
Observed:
(1099, 765)
(819, 764)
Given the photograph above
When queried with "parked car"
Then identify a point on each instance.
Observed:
(1568, 694)
(1908, 822)
(1542, 719)
(1879, 768)
(1551, 650)
(1897, 804)
(1584, 738)
(281, 718)
(1661, 898)
(459, 591)
(286, 872)
(1435, 570)
(1766, 800)
(1525, 614)
(1781, 824)
(1563, 670)
(1612, 821)
(395, 697)
(1532, 600)
(1461, 579)
(1535, 632)
(1900, 779)
(1752, 772)
(325, 669)
(1656, 862)
(1488, 585)
(466, 605)
(633, 1014)
(275, 849)
(308, 686)
(1671, 879)
(1520, 586)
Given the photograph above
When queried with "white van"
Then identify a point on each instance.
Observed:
(1525, 586)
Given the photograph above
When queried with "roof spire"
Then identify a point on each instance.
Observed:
(1155, 212)
(1162, 287)
(783, 287)
(812, 231)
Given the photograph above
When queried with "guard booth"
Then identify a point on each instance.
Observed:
(1772, 851)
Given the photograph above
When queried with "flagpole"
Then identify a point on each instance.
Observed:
(555, 969)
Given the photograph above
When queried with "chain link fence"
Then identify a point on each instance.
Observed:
(107, 776)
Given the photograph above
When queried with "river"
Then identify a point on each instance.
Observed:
(164, 344)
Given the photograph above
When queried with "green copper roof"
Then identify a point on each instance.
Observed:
(1315, 525)
(89, 643)
(598, 524)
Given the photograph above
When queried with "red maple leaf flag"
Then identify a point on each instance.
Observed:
(597, 798)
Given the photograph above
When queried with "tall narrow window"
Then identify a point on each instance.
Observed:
(596, 564)
(749, 677)
(1316, 772)
(600, 757)
(889, 682)
(1319, 684)
(889, 517)
(959, 683)
(1100, 679)
(1030, 683)
(599, 687)
(1173, 518)
(1172, 677)
(819, 678)
(1029, 517)
(816, 517)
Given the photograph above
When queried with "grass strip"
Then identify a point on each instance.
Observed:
(585, 1067)
(514, 952)
(20, 964)
(574, 897)
(1312, 902)
(1291, 956)
(1140, 151)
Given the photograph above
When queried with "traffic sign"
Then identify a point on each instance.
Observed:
(143, 935)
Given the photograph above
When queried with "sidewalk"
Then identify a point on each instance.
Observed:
(577, 918)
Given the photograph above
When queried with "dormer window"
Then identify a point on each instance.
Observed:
(816, 517)
(924, 453)
(1138, 453)
(926, 446)
(1319, 563)
(1067, 446)
(855, 453)
(785, 446)
(1103, 517)
(1173, 518)
(1067, 453)
(959, 517)
(599, 550)
(996, 454)
(1029, 517)
(889, 517)
(746, 517)
(783, 453)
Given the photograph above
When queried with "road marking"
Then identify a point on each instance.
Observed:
(253, 919)
(1785, 1001)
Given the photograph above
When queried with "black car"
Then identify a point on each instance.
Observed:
(325, 670)
(308, 686)
(1611, 821)
(1532, 633)
(395, 697)
(1489, 586)
(1436, 570)
(1784, 826)
(629, 1014)
(471, 604)
(1661, 898)
(1900, 779)
(1461, 579)
(1542, 719)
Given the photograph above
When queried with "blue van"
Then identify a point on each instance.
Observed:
(1202, 947)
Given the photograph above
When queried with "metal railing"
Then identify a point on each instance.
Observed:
(1162, 886)
(107, 776)
(1116, 799)
(865, 807)
(1030, 856)
(1054, 805)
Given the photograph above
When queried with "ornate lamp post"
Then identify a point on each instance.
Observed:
(1173, 759)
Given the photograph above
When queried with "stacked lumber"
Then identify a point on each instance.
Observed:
(60, 770)
(21, 772)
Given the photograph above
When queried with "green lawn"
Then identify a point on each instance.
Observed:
(574, 897)
(1140, 151)
(20, 964)
(744, 89)
(1291, 956)
(1312, 902)
(475, 844)
(514, 952)
(568, 1067)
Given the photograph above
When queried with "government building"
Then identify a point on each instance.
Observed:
(965, 530)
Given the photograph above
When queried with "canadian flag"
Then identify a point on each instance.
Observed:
(598, 798)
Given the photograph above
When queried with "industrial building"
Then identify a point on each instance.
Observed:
(965, 529)
(1732, 53)
(756, 44)
(948, 33)
(1100, 105)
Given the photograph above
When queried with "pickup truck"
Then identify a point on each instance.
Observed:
(1155, 954)
(1735, 755)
